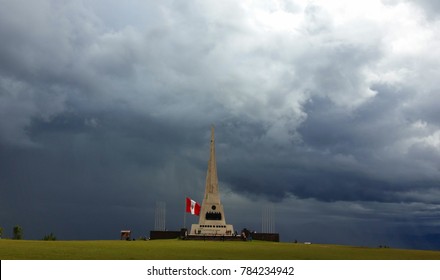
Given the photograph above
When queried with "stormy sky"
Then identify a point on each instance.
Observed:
(325, 111)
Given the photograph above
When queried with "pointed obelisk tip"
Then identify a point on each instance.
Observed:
(212, 133)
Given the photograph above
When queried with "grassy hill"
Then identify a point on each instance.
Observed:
(193, 250)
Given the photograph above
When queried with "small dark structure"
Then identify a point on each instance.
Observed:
(159, 234)
(125, 234)
(247, 235)
(274, 237)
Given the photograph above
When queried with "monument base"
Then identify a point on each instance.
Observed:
(212, 230)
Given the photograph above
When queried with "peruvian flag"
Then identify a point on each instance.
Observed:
(192, 207)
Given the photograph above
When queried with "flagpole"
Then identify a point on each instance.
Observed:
(184, 219)
(184, 216)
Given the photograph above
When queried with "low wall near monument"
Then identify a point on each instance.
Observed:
(156, 234)
(274, 237)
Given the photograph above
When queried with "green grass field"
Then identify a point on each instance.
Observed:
(193, 250)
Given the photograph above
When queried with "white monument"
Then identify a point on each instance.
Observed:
(212, 216)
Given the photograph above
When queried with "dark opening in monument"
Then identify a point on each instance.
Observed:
(213, 216)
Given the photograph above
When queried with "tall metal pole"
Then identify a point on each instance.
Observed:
(184, 216)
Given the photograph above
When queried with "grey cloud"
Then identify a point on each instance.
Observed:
(317, 19)
(431, 7)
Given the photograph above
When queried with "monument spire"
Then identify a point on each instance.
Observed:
(212, 217)
(211, 186)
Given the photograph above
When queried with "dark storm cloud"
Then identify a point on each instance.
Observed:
(105, 109)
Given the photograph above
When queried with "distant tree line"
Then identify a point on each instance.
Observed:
(17, 232)
(50, 237)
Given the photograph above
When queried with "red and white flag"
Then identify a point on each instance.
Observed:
(192, 207)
